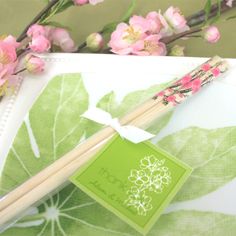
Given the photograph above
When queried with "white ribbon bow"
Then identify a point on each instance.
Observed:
(129, 132)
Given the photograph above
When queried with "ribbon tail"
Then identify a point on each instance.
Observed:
(135, 134)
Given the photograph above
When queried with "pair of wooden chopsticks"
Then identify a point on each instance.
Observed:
(43, 183)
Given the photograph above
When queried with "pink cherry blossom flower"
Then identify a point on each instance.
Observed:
(151, 46)
(6, 72)
(12, 41)
(34, 64)
(158, 24)
(176, 19)
(154, 22)
(126, 39)
(8, 50)
(139, 23)
(40, 44)
(212, 34)
(36, 30)
(61, 38)
(229, 3)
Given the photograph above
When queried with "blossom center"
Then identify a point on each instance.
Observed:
(131, 34)
(150, 46)
(4, 58)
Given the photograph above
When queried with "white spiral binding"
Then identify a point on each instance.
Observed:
(9, 106)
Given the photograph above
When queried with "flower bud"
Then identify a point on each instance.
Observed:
(212, 34)
(177, 51)
(40, 44)
(34, 64)
(61, 38)
(95, 42)
(36, 30)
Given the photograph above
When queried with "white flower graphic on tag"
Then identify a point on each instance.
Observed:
(139, 200)
(153, 176)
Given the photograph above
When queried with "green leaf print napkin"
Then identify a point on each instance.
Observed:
(201, 137)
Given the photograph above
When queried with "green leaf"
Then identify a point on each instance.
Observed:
(53, 128)
(209, 152)
(193, 223)
(130, 11)
(217, 17)
(109, 28)
(55, 118)
(66, 4)
(207, 9)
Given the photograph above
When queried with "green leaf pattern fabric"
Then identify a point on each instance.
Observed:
(53, 127)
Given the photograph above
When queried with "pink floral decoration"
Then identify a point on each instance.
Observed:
(36, 30)
(83, 2)
(176, 19)
(229, 3)
(212, 34)
(61, 38)
(34, 64)
(151, 47)
(215, 71)
(40, 44)
(8, 48)
(206, 67)
(196, 85)
(186, 79)
(171, 99)
(127, 39)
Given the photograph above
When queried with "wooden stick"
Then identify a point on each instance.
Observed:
(83, 151)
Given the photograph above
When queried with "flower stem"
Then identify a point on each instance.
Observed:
(200, 16)
(19, 71)
(37, 18)
(173, 38)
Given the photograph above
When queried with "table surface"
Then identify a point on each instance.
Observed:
(15, 14)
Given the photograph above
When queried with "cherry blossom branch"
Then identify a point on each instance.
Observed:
(175, 37)
(197, 19)
(200, 16)
(193, 20)
(37, 18)
(19, 71)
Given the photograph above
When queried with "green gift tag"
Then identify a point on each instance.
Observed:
(134, 181)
